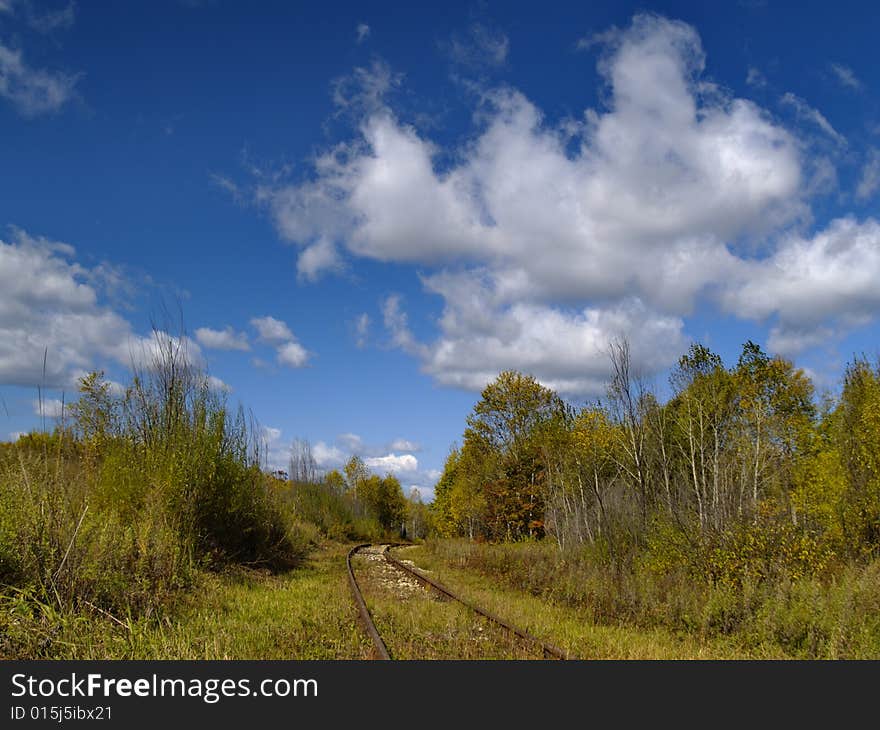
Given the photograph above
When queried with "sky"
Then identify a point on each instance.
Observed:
(358, 215)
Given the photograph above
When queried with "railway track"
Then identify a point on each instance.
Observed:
(380, 650)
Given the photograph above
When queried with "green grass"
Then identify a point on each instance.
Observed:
(568, 627)
(837, 617)
(305, 613)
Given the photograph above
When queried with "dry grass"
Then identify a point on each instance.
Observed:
(568, 627)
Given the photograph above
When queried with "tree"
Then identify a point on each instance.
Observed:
(502, 471)
(303, 467)
(627, 394)
(96, 415)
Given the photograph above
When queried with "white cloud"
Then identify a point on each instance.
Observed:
(318, 258)
(362, 330)
(789, 341)
(845, 76)
(16, 435)
(870, 178)
(272, 330)
(152, 351)
(626, 219)
(396, 322)
(289, 351)
(756, 78)
(658, 174)
(214, 383)
(805, 111)
(404, 445)
(352, 442)
(329, 457)
(292, 354)
(225, 339)
(276, 453)
(565, 349)
(362, 32)
(48, 307)
(33, 91)
(50, 407)
(378, 459)
(365, 89)
(393, 464)
(808, 282)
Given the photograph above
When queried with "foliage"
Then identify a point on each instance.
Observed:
(737, 485)
(119, 507)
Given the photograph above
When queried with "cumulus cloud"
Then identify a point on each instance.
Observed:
(810, 281)
(566, 349)
(625, 220)
(362, 32)
(272, 330)
(289, 352)
(50, 309)
(292, 354)
(225, 339)
(392, 463)
(328, 456)
(33, 91)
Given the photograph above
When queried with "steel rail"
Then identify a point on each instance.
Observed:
(548, 649)
(380, 651)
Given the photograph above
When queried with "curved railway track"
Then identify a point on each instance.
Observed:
(380, 650)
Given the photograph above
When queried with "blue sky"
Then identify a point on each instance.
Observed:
(366, 211)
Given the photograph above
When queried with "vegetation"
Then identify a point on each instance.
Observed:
(740, 517)
(132, 502)
(740, 506)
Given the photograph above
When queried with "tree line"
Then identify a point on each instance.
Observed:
(351, 503)
(741, 473)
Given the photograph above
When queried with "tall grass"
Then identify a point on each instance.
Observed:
(114, 511)
(830, 617)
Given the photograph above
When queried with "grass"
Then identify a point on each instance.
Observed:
(304, 613)
(808, 618)
(571, 628)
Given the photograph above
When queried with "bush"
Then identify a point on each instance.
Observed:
(116, 510)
